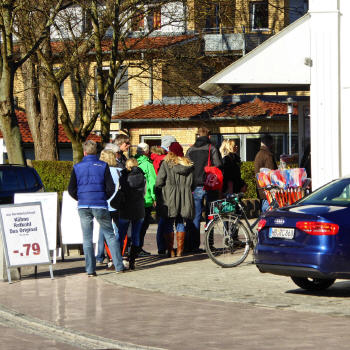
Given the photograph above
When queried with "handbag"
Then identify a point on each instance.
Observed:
(213, 176)
(119, 200)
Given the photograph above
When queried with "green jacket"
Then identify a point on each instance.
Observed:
(147, 167)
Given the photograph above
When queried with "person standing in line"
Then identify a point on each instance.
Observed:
(146, 166)
(233, 182)
(132, 184)
(91, 184)
(264, 159)
(199, 154)
(157, 157)
(108, 156)
(100, 257)
(175, 198)
(123, 141)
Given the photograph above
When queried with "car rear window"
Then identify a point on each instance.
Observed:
(11, 180)
(31, 178)
(335, 193)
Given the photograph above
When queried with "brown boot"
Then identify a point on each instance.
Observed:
(169, 240)
(180, 237)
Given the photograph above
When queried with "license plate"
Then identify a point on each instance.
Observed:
(281, 232)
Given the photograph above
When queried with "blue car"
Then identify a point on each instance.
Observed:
(309, 241)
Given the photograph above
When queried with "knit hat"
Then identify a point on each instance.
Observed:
(167, 140)
(176, 148)
(142, 148)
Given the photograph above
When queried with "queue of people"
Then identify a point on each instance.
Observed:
(120, 192)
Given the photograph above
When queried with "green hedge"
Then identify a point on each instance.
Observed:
(55, 175)
(248, 175)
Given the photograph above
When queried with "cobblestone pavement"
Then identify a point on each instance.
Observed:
(181, 303)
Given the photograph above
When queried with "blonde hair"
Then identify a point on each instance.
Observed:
(108, 156)
(157, 150)
(227, 147)
(172, 159)
(131, 163)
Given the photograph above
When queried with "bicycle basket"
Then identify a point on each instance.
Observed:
(222, 206)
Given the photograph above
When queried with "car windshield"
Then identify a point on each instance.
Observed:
(335, 193)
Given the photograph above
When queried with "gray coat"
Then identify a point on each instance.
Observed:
(173, 188)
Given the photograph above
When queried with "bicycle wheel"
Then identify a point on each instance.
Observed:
(227, 241)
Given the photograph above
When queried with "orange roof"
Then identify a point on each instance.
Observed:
(27, 135)
(251, 109)
(148, 43)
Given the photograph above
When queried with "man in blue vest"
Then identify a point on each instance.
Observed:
(91, 184)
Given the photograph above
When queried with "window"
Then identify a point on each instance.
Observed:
(259, 15)
(151, 140)
(138, 21)
(70, 21)
(249, 144)
(154, 18)
(212, 20)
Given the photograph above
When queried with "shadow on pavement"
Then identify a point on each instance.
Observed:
(339, 289)
(73, 266)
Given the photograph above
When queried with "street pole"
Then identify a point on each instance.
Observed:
(290, 112)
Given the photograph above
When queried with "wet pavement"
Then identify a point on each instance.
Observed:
(181, 303)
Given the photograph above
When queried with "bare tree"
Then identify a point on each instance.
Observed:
(11, 59)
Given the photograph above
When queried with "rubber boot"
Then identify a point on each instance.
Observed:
(132, 256)
(169, 241)
(180, 237)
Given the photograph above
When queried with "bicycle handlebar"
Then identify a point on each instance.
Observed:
(235, 195)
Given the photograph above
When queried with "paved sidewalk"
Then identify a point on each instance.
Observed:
(181, 303)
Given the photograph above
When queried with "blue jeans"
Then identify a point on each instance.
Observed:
(101, 239)
(179, 224)
(100, 247)
(193, 227)
(164, 227)
(103, 217)
(135, 231)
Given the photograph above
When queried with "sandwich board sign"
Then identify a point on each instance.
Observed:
(70, 222)
(49, 205)
(24, 236)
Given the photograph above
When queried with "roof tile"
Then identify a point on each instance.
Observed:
(27, 135)
(255, 108)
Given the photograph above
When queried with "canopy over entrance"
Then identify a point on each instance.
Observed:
(281, 63)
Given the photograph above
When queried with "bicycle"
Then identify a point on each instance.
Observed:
(228, 235)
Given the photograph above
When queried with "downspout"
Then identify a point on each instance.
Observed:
(151, 84)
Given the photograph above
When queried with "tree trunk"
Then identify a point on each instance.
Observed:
(8, 122)
(12, 138)
(78, 152)
(40, 111)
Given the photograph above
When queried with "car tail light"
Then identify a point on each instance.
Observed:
(318, 228)
(261, 224)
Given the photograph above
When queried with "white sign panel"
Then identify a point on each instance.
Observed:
(70, 222)
(49, 205)
(24, 235)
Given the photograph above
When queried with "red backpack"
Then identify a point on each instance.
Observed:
(213, 177)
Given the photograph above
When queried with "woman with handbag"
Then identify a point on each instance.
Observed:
(129, 200)
(233, 182)
(174, 195)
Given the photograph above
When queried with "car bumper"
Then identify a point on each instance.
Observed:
(288, 262)
(289, 270)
